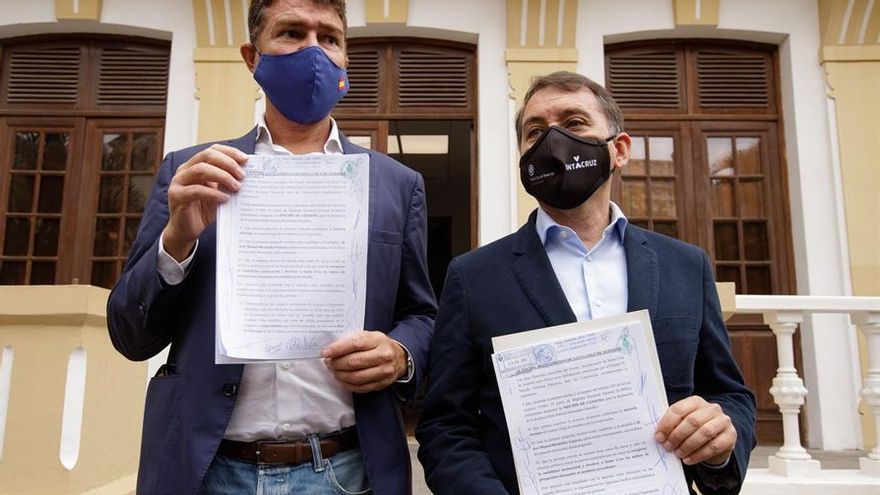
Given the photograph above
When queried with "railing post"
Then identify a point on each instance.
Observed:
(869, 324)
(788, 392)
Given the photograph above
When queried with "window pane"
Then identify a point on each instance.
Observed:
(131, 228)
(720, 156)
(12, 272)
(726, 241)
(114, 152)
(46, 236)
(51, 192)
(635, 198)
(110, 198)
(106, 237)
(729, 274)
(757, 246)
(663, 198)
(21, 194)
(636, 165)
(55, 153)
(723, 203)
(758, 279)
(748, 156)
(15, 242)
(661, 149)
(667, 228)
(143, 152)
(104, 274)
(43, 273)
(138, 190)
(26, 147)
(751, 198)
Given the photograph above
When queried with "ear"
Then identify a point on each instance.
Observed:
(622, 145)
(249, 55)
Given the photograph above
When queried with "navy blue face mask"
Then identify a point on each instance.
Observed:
(304, 85)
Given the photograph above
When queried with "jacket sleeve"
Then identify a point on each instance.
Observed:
(141, 306)
(719, 380)
(415, 307)
(449, 428)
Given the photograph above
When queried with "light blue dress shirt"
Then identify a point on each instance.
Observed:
(594, 280)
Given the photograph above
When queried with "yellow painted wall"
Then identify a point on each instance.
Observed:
(850, 55)
(42, 325)
(78, 9)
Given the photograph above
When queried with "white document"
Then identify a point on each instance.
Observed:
(292, 257)
(582, 402)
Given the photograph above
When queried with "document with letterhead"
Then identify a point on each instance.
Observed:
(292, 257)
(582, 402)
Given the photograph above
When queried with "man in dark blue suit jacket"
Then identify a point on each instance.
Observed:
(578, 258)
(205, 424)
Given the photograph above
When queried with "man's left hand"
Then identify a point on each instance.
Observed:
(365, 361)
(697, 431)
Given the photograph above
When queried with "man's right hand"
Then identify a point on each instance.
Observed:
(196, 189)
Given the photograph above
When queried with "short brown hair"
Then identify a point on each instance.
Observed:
(571, 82)
(257, 15)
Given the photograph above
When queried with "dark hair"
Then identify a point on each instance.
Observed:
(257, 15)
(571, 82)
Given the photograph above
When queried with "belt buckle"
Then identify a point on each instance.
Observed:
(258, 453)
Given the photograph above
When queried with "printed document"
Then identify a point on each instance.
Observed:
(292, 257)
(582, 402)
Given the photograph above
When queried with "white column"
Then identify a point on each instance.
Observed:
(788, 392)
(869, 324)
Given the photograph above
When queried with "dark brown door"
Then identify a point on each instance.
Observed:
(707, 168)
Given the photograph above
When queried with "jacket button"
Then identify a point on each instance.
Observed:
(142, 308)
(230, 389)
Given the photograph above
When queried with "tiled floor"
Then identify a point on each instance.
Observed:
(829, 460)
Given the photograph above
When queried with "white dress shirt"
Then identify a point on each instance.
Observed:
(593, 280)
(279, 400)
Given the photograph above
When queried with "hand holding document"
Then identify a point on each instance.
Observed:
(292, 257)
(582, 402)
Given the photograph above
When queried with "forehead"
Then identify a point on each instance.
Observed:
(550, 104)
(303, 12)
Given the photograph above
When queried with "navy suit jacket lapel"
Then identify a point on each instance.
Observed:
(536, 277)
(642, 272)
(246, 143)
(349, 148)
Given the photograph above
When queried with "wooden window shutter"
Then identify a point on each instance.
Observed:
(42, 75)
(364, 75)
(132, 76)
(648, 77)
(433, 77)
(734, 78)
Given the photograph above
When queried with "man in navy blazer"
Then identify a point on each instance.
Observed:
(318, 426)
(578, 258)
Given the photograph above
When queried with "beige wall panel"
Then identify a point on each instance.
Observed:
(533, 23)
(238, 14)
(81, 9)
(855, 87)
(218, 12)
(398, 11)
(42, 337)
(226, 91)
(513, 23)
(569, 25)
(686, 12)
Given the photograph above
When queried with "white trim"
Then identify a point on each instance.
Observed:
(227, 12)
(560, 23)
(209, 9)
(844, 23)
(698, 9)
(387, 7)
(865, 18)
(74, 398)
(245, 8)
(76, 6)
(523, 21)
(7, 357)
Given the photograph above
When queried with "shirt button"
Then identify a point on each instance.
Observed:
(589, 259)
(285, 365)
(230, 389)
(286, 427)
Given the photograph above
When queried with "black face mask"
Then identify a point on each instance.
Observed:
(563, 169)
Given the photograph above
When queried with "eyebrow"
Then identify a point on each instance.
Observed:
(566, 113)
(299, 22)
